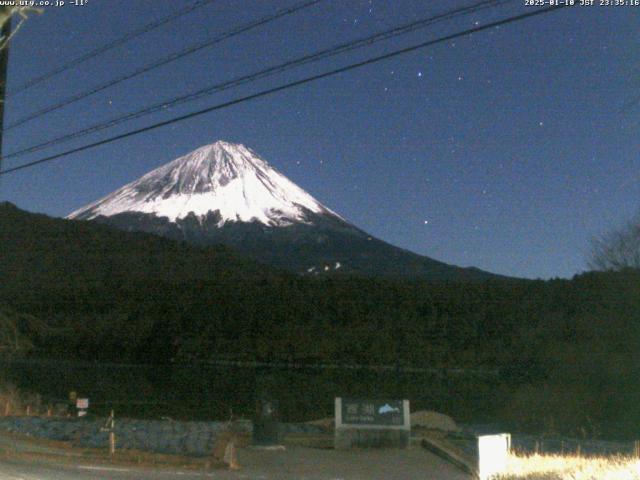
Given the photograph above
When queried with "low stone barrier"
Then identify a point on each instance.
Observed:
(160, 436)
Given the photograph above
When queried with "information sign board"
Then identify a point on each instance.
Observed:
(372, 423)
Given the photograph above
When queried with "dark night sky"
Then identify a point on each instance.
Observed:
(508, 149)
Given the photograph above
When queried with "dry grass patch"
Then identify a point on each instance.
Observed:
(15, 402)
(571, 467)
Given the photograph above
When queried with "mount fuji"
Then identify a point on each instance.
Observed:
(224, 193)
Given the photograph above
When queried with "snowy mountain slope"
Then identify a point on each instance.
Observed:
(222, 177)
(224, 193)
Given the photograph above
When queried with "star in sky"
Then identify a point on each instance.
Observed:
(456, 136)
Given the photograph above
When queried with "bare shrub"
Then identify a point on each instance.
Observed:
(14, 402)
(618, 249)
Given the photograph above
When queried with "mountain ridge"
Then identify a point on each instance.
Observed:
(225, 193)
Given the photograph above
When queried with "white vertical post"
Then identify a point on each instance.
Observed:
(493, 451)
(112, 434)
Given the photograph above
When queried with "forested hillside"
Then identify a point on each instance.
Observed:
(566, 349)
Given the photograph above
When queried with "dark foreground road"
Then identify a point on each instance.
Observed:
(292, 464)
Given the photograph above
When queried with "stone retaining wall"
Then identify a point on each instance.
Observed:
(160, 436)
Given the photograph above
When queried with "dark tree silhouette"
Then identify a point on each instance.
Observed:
(17, 331)
(619, 249)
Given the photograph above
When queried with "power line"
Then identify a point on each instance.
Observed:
(109, 46)
(168, 59)
(286, 86)
(282, 67)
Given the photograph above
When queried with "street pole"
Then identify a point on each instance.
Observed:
(4, 62)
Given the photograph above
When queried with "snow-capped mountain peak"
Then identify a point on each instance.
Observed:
(221, 177)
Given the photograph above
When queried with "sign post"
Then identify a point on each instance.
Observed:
(112, 433)
(82, 405)
(110, 427)
(372, 423)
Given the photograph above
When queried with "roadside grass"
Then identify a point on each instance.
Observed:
(571, 467)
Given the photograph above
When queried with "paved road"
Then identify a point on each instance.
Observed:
(294, 464)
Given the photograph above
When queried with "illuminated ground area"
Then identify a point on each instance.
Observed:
(561, 467)
(294, 463)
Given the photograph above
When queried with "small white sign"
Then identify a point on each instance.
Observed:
(493, 451)
(82, 403)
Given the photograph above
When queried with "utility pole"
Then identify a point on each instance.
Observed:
(4, 62)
